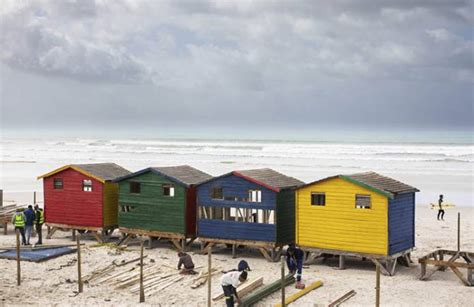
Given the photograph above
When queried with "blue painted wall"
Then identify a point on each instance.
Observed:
(401, 223)
(236, 230)
(234, 186)
(238, 187)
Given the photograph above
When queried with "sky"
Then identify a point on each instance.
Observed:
(267, 65)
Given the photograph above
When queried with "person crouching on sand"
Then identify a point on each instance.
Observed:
(186, 261)
(440, 210)
(229, 283)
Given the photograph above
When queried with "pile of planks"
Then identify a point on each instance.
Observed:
(155, 277)
(202, 277)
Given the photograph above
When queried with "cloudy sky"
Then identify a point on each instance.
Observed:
(266, 64)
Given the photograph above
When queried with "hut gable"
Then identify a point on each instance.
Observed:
(100, 171)
(380, 183)
(184, 175)
(269, 178)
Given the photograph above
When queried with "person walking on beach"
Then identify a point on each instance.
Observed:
(18, 220)
(229, 283)
(440, 210)
(39, 221)
(29, 221)
(186, 261)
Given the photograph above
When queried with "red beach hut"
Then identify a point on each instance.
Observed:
(82, 197)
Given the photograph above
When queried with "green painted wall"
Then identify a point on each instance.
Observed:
(151, 209)
(285, 216)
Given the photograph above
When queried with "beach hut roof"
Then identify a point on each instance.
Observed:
(100, 171)
(182, 174)
(375, 182)
(266, 177)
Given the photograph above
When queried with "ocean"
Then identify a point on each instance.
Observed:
(435, 164)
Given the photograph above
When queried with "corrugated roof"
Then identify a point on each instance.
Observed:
(183, 173)
(270, 178)
(382, 183)
(100, 171)
(106, 171)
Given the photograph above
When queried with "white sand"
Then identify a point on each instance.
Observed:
(43, 286)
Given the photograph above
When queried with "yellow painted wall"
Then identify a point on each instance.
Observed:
(110, 204)
(339, 225)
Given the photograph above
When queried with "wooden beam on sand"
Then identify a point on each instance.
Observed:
(265, 291)
(299, 294)
(243, 289)
(342, 299)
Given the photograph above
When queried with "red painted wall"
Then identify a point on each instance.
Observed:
(71, 205)
(191, 211)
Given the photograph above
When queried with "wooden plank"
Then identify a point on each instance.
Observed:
(450, 264)
(243, 289)
(264, 291)
(151, 233)
(266, 255)
(342, 299)
(382, 268)
(299, 294)
(459, 275)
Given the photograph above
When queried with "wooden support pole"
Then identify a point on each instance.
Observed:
(18, 267)
(342, 262)
(233, 250)
(459, 231)
(142, 290)
(1, 198)
(183, 245)
(74, 235)
(79, 274)
(209, 276)
(283, 281)
(34, 197)
(377, 285)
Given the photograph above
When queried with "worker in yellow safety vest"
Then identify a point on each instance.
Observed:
(39, 221)
(18, 220)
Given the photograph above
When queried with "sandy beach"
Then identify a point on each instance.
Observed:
(48, 283)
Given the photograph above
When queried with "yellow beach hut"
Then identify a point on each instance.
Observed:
(366, 215)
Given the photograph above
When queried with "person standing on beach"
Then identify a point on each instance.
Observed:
(39, 221)
(440, 210)
(29, 221)
(18, 220)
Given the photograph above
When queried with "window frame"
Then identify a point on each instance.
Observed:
(323, 198)
(362, 206)
(213, 193)
(254, 192)
(55, 187)
(87, 187)
(133, 187)
(171, 188)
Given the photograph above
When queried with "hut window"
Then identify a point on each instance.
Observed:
(58, 183)
(362, 201)
(168, 190)
(135, 187)
(87, 185)
(217, 193)
(126, 208)
(318, 199)
(255, 196)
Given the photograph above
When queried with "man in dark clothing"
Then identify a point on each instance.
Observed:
(29, 221)
(229, 283)
(294, 261)
(186, 261)
(440, 210)
(39, 221)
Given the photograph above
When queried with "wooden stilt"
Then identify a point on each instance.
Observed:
(183, 245)
(73, 234)
(377, 285)
(265, 254)
(142, 290)
(79, 273)
(51, 231)
(342, 262)
(283, 304)
(209, 276)
(233, 250)
(150, 242)
(18, 266)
